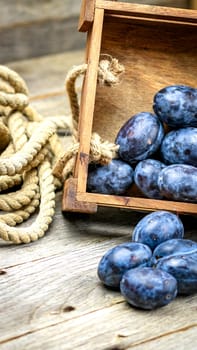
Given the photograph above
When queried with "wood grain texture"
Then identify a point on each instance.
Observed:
(154, 56)
(42, 83)
(50, 295)
(138, 202)
(30, 28)
(41, 38)
(193, 4)
(88, 100)
(22, 11)
(70, 202)
(169, 3)
(86, 15)
(148, 11)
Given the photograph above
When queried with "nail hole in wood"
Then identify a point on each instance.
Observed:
(68, 308)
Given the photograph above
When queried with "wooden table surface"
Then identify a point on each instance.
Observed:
(50, 295)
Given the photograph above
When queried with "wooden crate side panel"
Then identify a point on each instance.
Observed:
(154, 56)
(70, 202)
(86, 15)
(148, 11)
(88, 101)
(135, 203)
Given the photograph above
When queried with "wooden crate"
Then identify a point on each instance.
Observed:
(157, 46)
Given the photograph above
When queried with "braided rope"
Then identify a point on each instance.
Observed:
(21, 159)
(7, 182)
(22, 197)
(4, 136)
(26, 162)
(18, 216)
(72, 75)
(13, 80)
(14, 101)
(17, 127)
(46, 211)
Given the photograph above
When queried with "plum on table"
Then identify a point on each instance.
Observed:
(148, 288)
(184, 268)
(157, 227)
(121, 258)
(173, 246)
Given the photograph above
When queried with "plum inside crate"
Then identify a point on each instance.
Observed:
(157, 47)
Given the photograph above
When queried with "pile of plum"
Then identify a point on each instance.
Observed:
(155, 266)
(156, 151)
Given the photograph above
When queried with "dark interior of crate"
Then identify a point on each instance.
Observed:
(155, 54)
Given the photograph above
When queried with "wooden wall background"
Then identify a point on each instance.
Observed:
(31, 28)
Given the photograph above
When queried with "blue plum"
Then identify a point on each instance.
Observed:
(148, 288)
(121, 258)
(139, 137)
(180, 146)
(113, 178)
(184, 268)
(176, 105)
(146, 176)
(179, 182)
(173, 247)
(158, 227)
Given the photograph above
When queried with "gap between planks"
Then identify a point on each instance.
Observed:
(127, 344)
(60, 322)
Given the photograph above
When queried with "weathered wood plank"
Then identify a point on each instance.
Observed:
(114, 327)
(23, 11)
(43, 38)
(52, 105)
(46, 75)
(86, 15)
(193, 4)
(173, 3)
(184, 339)
(108, 226)
(30, 29)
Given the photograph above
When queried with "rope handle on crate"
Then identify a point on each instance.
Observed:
(30, 147)
(101, 151)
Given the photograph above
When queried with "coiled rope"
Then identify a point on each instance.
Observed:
(30, 147)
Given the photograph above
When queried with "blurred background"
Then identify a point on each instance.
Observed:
(31, 28)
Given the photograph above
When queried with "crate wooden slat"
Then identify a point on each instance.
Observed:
(147, 11)
(157, 46)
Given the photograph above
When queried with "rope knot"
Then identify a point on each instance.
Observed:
(109, 70)
(102, 151)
